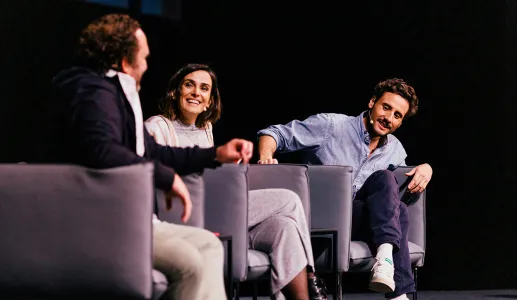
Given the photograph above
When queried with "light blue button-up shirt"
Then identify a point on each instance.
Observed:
(337, 139)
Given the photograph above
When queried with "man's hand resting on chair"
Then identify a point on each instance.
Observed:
(179, 189)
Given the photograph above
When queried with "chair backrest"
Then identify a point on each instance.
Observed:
(196, 188)
(226, 210)
(331, 205)
(70, 231)
(293, 177)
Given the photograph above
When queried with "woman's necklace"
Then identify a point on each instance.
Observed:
(188, 130)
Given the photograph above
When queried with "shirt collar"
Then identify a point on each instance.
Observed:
(126, 80)
(128, 84)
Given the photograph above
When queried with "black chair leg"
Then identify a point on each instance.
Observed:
(338, 292)
(339, 288)
(415, 275)
(236, 288)
(337, 285)
(255, 290)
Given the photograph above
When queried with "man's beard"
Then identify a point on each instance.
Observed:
(373, 133)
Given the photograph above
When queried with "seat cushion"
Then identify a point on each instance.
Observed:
(160, 284)
(362, 260)
(258, 265)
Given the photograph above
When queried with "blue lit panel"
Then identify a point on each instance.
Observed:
(118, 3)
(153, 7)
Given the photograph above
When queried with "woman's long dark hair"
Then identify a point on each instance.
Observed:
(169, 104)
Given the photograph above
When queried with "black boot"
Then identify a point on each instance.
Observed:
(317, 289)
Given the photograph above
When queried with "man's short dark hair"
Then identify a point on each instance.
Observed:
(106, 41)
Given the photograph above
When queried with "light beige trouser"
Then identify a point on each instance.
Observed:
(192, 260)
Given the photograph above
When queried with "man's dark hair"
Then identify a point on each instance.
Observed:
(401, 88)
(106, 41)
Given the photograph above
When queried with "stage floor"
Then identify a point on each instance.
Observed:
(433, 295)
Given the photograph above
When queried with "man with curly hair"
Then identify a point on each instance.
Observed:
(366, 143)
(99, 124)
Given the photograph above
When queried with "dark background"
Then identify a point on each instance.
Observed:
(281, 60)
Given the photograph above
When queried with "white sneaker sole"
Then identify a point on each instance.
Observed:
(382, 285)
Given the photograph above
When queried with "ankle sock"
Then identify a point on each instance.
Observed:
(385, 253)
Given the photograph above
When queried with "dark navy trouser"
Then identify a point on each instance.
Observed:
(380, 217)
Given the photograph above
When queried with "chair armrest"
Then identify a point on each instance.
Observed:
(417, 213)
(331, 205)
(226, 210)
(293, 177)
(68, 230)
(196, 187)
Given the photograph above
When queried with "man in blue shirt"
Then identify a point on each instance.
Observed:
(365, 142)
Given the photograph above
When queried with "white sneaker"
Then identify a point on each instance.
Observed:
(381, 278)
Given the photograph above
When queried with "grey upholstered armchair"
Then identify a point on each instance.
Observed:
(292, 177)
(331, 207)
(68, 232)
(226, 210)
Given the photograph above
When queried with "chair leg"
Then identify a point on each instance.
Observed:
(229, 288)
(337, 281)
(338, 292)
(335, 292)
(339, 287)
(255, 290)
(236, 289)
(415, 275)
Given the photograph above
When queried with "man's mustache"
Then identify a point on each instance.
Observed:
(385, 123)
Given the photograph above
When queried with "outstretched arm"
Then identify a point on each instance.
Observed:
(296, 135)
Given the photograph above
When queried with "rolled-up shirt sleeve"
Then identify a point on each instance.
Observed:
(296, 135)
